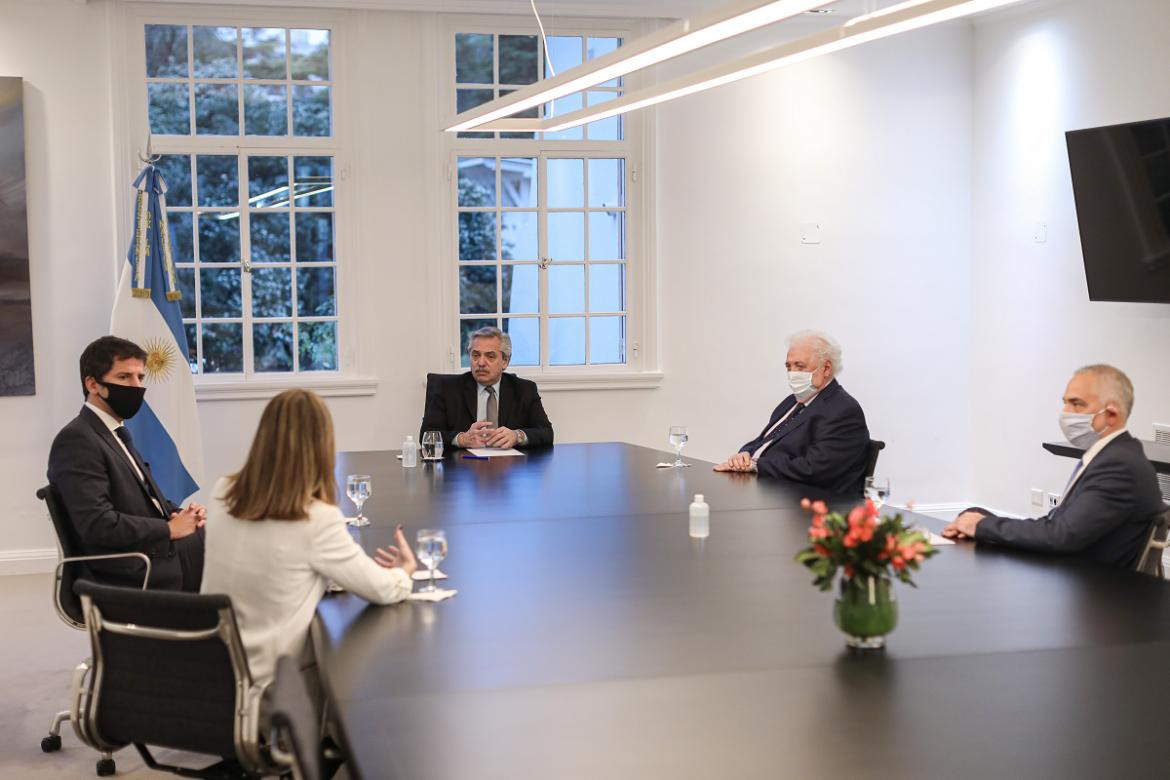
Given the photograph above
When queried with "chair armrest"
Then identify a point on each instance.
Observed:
(108, 557)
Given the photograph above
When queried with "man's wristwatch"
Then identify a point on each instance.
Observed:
(521, 438)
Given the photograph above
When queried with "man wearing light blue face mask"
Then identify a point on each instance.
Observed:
(817, 435)
(1112, 496)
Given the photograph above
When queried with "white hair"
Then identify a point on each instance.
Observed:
(491, 332)
(1112, 386)
(824, 347)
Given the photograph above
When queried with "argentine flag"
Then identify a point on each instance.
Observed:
(146, 311)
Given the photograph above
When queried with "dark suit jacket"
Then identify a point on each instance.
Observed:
(1105, 516)
(109, 505)
(826, 445)
(451, 405)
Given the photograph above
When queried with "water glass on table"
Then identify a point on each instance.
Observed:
(430, 549)
(432, 445)
(678, 440)
(877, 490)
(359, 487)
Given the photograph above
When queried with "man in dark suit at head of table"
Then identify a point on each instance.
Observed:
(107, 489)
(817, 435)
(486, 407)
(1112, 496)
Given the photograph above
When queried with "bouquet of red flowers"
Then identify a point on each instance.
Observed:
(862, 545)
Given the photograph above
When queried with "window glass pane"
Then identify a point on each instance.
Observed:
(318, 346)
(182, 241)
(267, 182)
(263, 53)
(518, 235)
(466, 99)
(272, 295)
(596, 47)
(176, 172)
(166, 50)
(477, 235)
(186, 280)
(477, 289)
(521, 289)
(518, 61)
(477, 181)
(473, 58)
(218, 181)
(566, 289)
(607, 240)
(466, 328)
(313, 181)
(560, 107)
(525, 333)
(219, 292)
(607, 178)
(315, 292)
(607, 287)
(219, 238)
(566, 341)
(607, 340)
(265, 110)
(314, 237)
(217, 111)
(564, 51)
(606, 129)
(215, 52)
(223, 347)
(168, 108)
(272, 346)
(311, 113)
(528, 113)
(518, 181)
(566, 183)
(270, 238)
(566, 235)
(191, 331)
(310, 54)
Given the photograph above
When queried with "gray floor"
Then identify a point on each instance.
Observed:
(37, 656)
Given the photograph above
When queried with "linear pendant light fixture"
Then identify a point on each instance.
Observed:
(884, 23)
(682, 37)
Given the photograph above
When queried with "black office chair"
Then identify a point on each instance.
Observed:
(169, 670)
(871, 458)
(1150, 561)
(294, 737)
(72, 567)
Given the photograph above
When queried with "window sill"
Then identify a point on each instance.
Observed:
(639, 380)
(326, 385)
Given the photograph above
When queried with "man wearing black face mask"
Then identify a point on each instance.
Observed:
(107, 489)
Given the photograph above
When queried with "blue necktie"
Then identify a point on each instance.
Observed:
(1072, 477)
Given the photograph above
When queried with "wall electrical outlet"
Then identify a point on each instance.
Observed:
(1053, 500)
(1037, 497)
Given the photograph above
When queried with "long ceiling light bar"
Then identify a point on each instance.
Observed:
(862, 29)
(682, 37)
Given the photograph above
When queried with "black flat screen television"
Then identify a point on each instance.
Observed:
(1121, 183)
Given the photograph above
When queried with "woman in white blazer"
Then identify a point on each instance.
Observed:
(275, 536)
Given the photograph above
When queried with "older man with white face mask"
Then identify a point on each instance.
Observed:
(1112, 495)
(817, 435)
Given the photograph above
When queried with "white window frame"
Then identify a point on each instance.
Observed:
(131, 123)
(641, 369)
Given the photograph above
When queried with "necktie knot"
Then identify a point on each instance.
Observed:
(123, 433)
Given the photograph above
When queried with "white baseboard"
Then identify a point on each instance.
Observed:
(27, 561)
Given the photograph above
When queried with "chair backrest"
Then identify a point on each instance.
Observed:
(65, 600)
(871, 457)
(169, 670)
(294, 720)
(434, 380)
(1150, 561)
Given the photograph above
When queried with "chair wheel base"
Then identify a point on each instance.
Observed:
(51, 743)
(105, 767)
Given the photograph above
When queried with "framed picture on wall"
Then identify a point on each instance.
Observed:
(16, 344)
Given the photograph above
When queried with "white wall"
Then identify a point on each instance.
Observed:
(1039, 72)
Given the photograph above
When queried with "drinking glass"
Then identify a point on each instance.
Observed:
(877, 490)
(431, 549)
(678, 440)
(359, 487)
(432, 445)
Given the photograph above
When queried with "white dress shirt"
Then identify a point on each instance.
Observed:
(276, 572)
(763, 447)
(113, 423)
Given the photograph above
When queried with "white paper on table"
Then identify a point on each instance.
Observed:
(488, 452)
(934, 539)
(432, 595)
(668, 465)
(423, 575)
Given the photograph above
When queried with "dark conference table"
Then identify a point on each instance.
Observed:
(593, 638)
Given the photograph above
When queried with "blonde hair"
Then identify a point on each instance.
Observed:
(290, 462)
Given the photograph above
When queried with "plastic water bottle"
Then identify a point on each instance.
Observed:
(409, 453)
(700, 518)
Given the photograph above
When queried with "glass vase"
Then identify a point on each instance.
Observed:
(866, 611)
